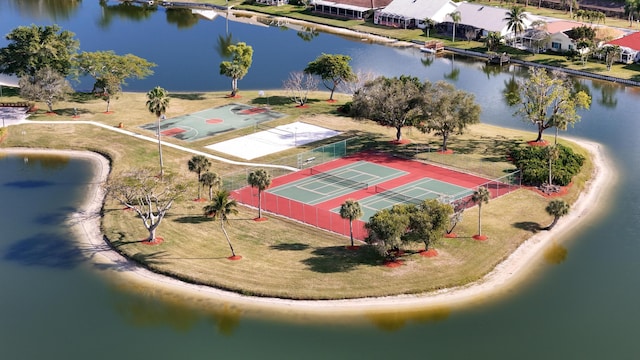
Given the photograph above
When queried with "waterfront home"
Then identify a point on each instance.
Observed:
(347, 9)
(409, 14)
(630, 46)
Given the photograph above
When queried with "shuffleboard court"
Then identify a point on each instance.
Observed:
(210, 122)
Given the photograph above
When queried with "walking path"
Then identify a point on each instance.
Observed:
(155, 140)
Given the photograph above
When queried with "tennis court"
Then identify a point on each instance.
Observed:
(376, 180)
(412, 193)
(319, 186)
(210, 122)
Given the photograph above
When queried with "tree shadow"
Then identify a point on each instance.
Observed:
(190, 96)
(47, 250)
(530, 226)
(290, 247)
(334, 259)
(193, 219)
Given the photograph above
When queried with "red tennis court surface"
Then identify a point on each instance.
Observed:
(320, 215)
(215, 121)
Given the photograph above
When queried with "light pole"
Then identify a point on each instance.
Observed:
(161, 117)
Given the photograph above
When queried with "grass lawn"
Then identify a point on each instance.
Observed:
(281, 257)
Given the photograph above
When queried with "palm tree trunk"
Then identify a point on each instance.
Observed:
(479, 219)
(233, 253)
(351, 231)
(259, 203)
(553, 223)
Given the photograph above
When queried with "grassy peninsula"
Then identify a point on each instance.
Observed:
(283, 258)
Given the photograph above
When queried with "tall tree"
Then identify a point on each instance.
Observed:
(394, 102)
(212, 181)
(157, 104)
(32, 48)
(427, 222)
(386, 228)
(515, 19)
(492, 40)
(446, 111)
(261, 180)
(611, 54)
(351, 210)
(631, 8)
(298, 86)
(456, 17)
(428, 24)
(199, 164)
(556, 208)
(332, 69)
(110, 71)
(221, 207)
(45, 85)
(548, 101)
(241, 58)
(149, 196)
(480, 196)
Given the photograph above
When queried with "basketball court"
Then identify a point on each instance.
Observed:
(210, 122)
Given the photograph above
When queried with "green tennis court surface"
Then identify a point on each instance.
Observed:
(412, 193)
(320, 186)
(209, 122)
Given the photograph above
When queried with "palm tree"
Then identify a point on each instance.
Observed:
(557, 209)
(611, 54)
(492, 40)
(351, 210)
(222, 205)
(428, 24)
(212, 180)
(199, 164)
(157, 103)
(261, 180)
(515, 20)
(455, 17)
(480, 196)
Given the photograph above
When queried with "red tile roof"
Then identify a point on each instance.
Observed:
(631, 41)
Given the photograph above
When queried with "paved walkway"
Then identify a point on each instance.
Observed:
(155, 140)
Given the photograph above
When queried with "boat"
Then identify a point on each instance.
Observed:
(428, 50)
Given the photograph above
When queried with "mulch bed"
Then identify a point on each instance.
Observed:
(156, 241)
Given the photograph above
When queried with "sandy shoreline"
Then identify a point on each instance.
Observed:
(510, 272)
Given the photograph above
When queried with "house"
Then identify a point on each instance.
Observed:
(552, 36)
(273, 2)
(348, 9)
(483, 19)
(409, 14)
(630, 46)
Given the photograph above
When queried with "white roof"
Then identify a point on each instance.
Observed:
(484, 17)
(435, 10)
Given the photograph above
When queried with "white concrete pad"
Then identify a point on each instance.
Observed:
(273, 140)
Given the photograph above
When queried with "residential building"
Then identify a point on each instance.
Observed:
(409, 14)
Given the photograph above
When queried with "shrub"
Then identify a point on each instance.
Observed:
(533, 162)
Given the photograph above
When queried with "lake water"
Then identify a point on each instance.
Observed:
(55, 304)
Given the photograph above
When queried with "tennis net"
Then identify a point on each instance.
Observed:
(398, 196)
(339, 180)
